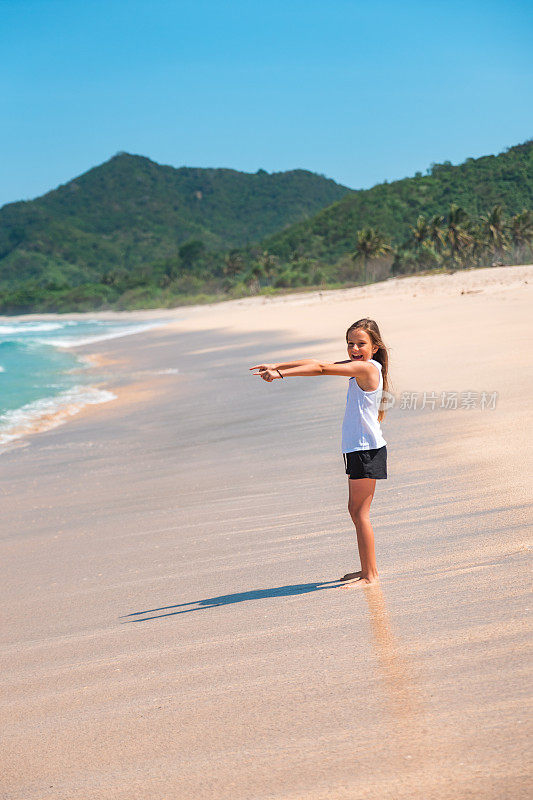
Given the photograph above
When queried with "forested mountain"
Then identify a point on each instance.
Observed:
(129, 212)
(134, 234)
(476, 186)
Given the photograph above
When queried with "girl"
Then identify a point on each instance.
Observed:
(363, 446)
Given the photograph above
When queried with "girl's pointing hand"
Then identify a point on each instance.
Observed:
(266, 373)
(262, 367)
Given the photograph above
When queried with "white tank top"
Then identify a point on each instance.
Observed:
(360, 428)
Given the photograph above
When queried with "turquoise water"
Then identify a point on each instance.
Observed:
(40, 375)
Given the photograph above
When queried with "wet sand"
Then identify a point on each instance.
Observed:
(210, 492)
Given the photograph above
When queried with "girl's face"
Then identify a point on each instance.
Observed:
(360, 346)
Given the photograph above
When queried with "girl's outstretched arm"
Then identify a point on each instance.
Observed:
(285, 365)
(314, 367)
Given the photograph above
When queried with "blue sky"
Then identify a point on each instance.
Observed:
(359, 91)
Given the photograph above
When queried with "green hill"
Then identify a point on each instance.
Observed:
(133, 234)
(131, 212)
(476, 185)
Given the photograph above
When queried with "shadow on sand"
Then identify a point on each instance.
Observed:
(227, 599)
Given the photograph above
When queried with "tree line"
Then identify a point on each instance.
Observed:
(454, 241)
(195, 274)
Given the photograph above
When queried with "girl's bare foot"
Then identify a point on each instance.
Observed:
(363, 580)
(351, 575)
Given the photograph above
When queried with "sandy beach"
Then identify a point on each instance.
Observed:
(201, 488)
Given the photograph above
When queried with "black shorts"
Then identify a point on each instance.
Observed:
(366, 463)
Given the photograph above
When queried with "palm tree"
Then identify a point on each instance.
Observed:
(478, 250)
(521, 232)
(494, 230)
(420, 231)
(436, 234)
(370, 244)
(253, 277)
(458, 236)
(233, 263)
(269, 263)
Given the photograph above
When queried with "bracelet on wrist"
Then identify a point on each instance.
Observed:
(279, 373)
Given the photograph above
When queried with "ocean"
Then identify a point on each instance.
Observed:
(42, 380)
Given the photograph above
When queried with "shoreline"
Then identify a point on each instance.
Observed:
(472, 282)
(50, 411)
(461, 281)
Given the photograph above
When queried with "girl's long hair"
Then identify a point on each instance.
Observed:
(381, 354)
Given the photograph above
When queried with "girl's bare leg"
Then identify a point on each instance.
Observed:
(361, 492)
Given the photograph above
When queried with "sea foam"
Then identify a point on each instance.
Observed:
(42, 385)
(77, 341)
(33, 327)
(49, 412)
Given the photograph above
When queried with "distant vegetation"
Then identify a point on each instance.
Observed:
(476, 186)
(131, 227)
(132, 234)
